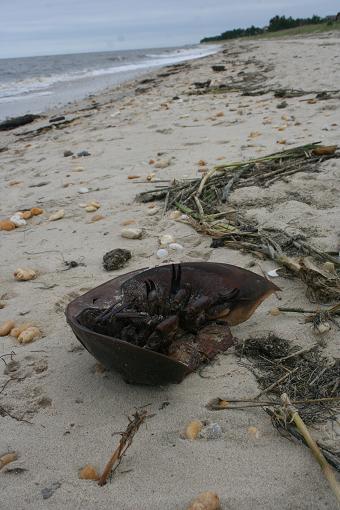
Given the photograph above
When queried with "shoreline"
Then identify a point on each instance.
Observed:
(79, 88)
(138, 140)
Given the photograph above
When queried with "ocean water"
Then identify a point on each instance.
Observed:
(34, 84)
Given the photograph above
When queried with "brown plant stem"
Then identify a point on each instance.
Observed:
(124, 443)
(300, 425)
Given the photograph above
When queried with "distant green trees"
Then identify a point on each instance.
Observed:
(276, 23)
(281, 22)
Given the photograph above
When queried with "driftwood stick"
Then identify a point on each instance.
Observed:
(295, 310)
(124, 443)
(221, 404)
(325, 467)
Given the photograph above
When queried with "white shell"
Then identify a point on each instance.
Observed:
(83, 190)
(166, 239)
(322, 328)
(132, 233)
(161, 253)
(17, 220)
(176, 247)
(162, 163)
(273, 273)
(152, 212)
(57, 215)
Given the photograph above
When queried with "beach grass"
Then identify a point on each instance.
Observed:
(303, 30)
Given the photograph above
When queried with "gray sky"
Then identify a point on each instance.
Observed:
(42, 27)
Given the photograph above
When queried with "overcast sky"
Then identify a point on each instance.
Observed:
(42, 27)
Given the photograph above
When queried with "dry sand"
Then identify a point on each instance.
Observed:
(75, 410)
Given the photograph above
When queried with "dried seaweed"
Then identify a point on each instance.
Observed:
(203, 204)
(312, 376)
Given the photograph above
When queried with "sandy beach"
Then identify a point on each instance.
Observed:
(75, 408)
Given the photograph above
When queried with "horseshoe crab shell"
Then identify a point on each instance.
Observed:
(142, 366)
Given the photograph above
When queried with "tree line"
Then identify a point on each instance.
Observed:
(276, 23)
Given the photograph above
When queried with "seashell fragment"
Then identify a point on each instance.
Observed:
(132, 233)
(6, 327)
(7, 225)
(29, 334)
(88, 472)
(273, 272)
(16, 331)
(206, 501)
(174, 215)
(322, 328)
(161, 253)
(254, 432)
(153, 211)
(90, 208)
(330, 267)
(212, 431)
(193, 429)
(274, 311)
(57, 215)
(97, 217)
(7, 458)
(162, 163)
(83, 190)
(17, 220)
(26, 215)
(23, 275)
(176, 247)
(166, 239)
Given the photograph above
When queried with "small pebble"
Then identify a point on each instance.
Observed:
(57, 215)
(176, 247)
(67, 154)
(152, 212)
(211, 431)
(47, 492)
(90, 208)
(132, 233)
(88, 472)
(193, 429)
(162, 163)
(206, 501)
(166, 239)
(83, 190)
(83, 154)
(161, 253)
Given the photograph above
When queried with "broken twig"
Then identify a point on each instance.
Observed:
(124, 443)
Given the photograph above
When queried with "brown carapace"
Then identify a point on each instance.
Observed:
(155, 326)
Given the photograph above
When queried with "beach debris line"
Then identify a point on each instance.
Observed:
(203, 204)
(135, 422)
(308, 375)
(15, 122)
